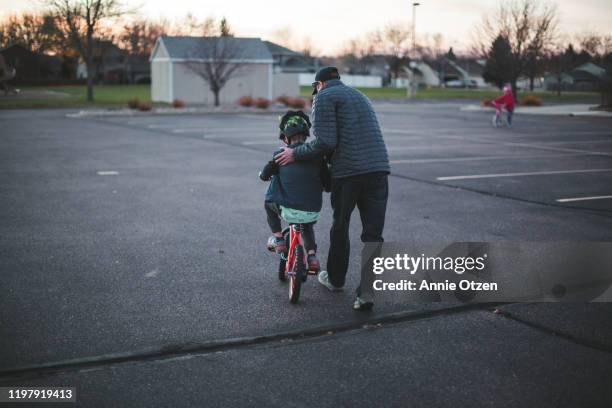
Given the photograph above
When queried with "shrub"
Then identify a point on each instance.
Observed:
(487, 102)
(531, 100)
(178, 103)
(245, 101)
(297, 103)
(144, 106)
(133, 103)
(262, 103)
(284, 99)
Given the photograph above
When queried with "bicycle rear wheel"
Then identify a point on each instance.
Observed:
(296, 277)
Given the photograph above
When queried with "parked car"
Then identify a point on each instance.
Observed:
(461, 83)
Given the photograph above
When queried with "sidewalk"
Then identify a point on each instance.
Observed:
(557, 110)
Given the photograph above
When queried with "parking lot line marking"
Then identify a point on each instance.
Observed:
(398, 148)
(262, 142)
(576, 141)
(161, 126)
(527, 145)
(534, 173)
(108, 173)
(481, 158)
(192, 130)
(569, 200)
(237, 131)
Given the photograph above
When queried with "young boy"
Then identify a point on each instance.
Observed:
(295, 187)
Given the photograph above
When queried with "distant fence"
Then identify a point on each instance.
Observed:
(362, 81)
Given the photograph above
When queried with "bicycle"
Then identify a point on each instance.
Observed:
(499, 119)
(293, 264)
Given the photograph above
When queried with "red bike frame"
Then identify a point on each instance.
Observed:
(499, 107)
(295, 239)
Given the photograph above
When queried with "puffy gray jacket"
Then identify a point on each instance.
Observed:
(344, 122)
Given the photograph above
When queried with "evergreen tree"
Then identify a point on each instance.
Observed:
(451, 54)
(225, 29)
(499, 68)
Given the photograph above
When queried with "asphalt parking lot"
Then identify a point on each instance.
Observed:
(563, 161)
(131, 245)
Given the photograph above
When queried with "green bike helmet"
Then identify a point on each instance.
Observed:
(294, 123)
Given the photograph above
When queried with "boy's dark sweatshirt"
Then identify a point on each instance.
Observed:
(298, 185)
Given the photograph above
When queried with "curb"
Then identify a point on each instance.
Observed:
(176, 111)
(555, 110)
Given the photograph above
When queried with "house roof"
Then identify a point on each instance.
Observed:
(276, 49)
(184, 47)
(588, 71)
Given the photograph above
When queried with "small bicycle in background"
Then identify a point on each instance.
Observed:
(293, 265)
(499, 119)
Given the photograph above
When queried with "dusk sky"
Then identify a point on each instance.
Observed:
(329, 24)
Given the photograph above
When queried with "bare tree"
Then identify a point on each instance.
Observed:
(190, 25)
(307, 47)
(216, 60)
(591, 42)
(394, 41)
(81, 21)
(139, 36)
(530, 27)
(358, 52)
(283, 36)
(561, 60)
(36, 32)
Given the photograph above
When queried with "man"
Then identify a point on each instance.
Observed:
(346, 127)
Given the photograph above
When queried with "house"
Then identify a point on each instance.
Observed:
(586, 78)
(109, 63)
(286, 60)
(424, 75)
(175, 60)
(31, 67)
(462, 72)
(113, 65)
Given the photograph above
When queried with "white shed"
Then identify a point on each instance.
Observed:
(172, 76)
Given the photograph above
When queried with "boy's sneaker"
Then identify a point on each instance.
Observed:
(276, 244)
(313, 263)
(324, 280)
(362, 304)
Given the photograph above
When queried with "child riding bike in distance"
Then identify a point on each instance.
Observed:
(504, 101)
(297, 187)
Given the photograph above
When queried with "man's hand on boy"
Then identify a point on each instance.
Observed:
(284, 157)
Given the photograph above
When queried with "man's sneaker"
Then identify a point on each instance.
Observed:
(276, 244)
(362, 304)
(324, 280)
(313, 263)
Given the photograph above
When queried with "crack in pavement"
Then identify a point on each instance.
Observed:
(593, 344)
(174, 351)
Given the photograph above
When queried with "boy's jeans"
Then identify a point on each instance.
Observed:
(369, 193)
(274, 221)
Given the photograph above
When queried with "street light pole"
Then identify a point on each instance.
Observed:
(413, 65)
